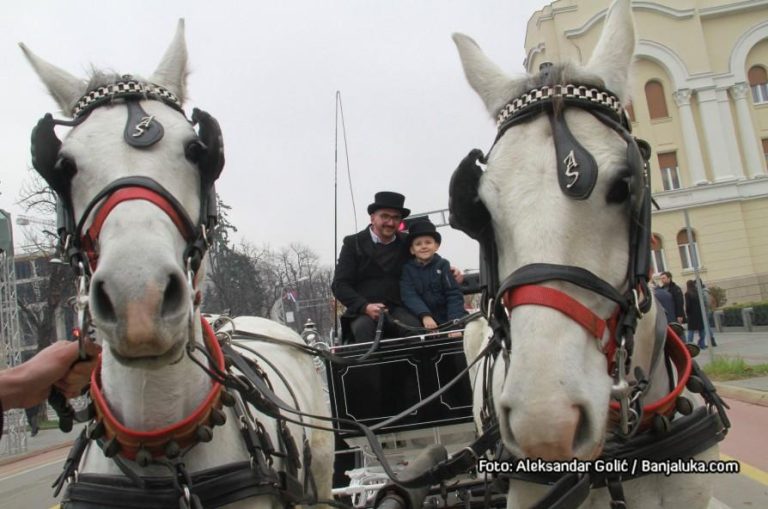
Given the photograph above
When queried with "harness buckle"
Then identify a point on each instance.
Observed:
(636, 302)
(620, 390)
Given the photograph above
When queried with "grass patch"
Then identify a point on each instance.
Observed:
(48, 424)
(733, 368)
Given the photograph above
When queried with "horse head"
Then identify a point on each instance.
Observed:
(133, 197)
(561, 187)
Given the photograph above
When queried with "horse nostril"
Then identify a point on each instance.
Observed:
(101, 304)
(173, 296)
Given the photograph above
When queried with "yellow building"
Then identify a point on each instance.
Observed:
(700, 98)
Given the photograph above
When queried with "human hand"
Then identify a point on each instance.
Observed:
(429, 322)
(72, 383)
(30, 383)
(454, 334)
(458, 275)
(374, 310)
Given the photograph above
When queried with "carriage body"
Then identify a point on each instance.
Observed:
(401, 373)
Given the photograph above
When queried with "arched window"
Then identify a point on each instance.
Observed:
(658, 259)
(657, 103)
(689, 253)
(670, 173)
(758, 80)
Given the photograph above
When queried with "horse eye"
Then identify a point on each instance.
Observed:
(619, 191)
(65, 166)
(194, 151)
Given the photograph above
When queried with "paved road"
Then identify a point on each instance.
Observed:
(26, 484)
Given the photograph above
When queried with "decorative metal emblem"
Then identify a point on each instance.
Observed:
(570, 168)
(142, 126)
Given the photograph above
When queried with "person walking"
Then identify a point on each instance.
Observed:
(693, 312)
(677, 295)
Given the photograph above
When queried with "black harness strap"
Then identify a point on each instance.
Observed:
(213, 487)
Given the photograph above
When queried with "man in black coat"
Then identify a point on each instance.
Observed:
(367, 277)
(677, 295)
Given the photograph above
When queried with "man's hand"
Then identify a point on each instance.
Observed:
(30, 383)
(428, 322)
(458, 275)
(374, 310)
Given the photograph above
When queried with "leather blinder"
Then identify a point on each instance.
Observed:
(466, 211)
(576, 168)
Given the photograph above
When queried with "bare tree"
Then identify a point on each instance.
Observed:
(50, 293)
(304, 286)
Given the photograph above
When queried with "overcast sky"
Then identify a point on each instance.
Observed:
(269, 72)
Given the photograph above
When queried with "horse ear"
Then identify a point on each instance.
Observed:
(484, 76)
(171, 73)
(612, 57)
(65, 88)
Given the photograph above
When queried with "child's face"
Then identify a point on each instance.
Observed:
(424, 248)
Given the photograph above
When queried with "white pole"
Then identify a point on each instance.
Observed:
(695, 263)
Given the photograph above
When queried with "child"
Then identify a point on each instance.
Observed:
(427, 287)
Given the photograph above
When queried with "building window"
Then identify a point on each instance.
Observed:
(657, 103)
(689, 253)
(670, 173)
(658, 259)
(758, 80)
(23, 269)
(765, 149)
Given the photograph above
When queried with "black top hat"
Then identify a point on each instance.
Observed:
(389, 200)
(420, 228)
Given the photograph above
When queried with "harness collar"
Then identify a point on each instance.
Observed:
(184, 432)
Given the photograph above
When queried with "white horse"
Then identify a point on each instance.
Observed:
(552, 401)
(145, 307)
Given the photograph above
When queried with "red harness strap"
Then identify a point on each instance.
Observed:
(549, 297)
(681, 358)
(182, 432)
(91, 237)
(536, 295)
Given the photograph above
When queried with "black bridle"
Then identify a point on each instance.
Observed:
(142, 131)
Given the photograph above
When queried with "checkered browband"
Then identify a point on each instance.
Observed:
(129, 88)
(573, 93)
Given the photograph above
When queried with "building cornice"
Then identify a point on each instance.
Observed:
(637, 6)
(711, 194)
(731, 8)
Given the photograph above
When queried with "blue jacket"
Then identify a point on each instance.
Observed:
(431, 290)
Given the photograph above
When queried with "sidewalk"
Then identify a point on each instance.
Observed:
(753, 348)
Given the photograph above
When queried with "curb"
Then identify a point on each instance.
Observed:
(742, 394)
(31, 454)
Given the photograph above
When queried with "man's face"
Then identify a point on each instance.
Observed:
(385, 222)
(664, 280)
